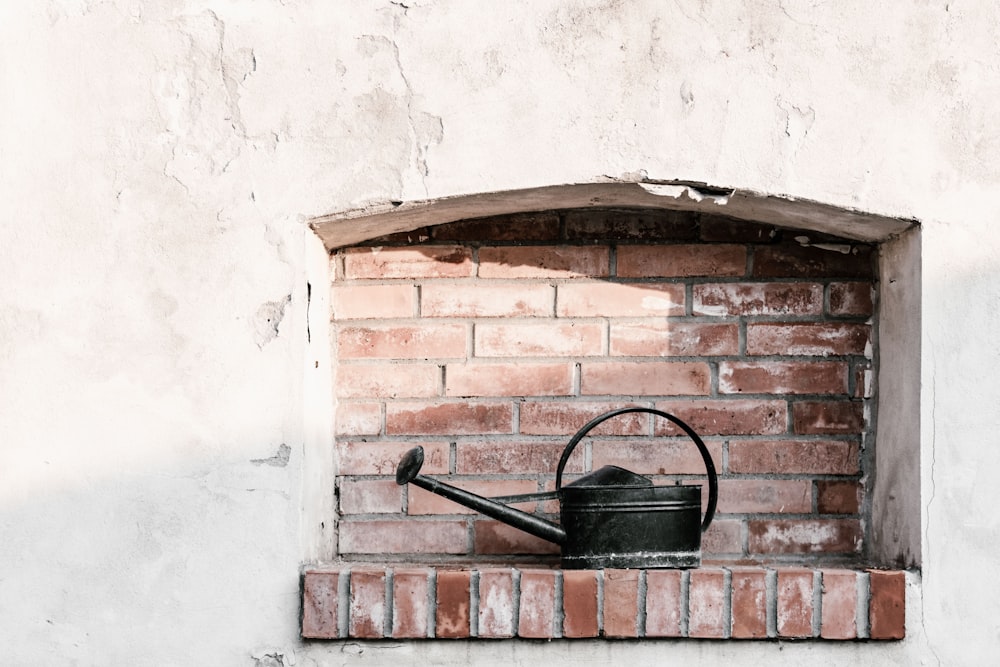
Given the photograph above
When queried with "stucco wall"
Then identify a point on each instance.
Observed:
(158, 161)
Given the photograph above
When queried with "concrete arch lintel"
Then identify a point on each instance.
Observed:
(355, 226)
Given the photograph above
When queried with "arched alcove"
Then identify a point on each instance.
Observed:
(893, 509)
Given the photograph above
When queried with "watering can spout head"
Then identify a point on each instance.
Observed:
(407, 472)
(409, 466)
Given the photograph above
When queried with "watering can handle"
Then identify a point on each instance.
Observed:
(713, 482)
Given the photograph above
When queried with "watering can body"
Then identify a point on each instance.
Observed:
(610, 518)
(631, 527)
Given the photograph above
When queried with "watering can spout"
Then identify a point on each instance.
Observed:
(408, 472)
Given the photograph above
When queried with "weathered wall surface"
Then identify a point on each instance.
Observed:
(158, 163)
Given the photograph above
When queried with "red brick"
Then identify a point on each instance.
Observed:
(537, 608)
(422, 262)
(706, 604)
(795, 602)
(788, 261)
(409, 602)
(542, 339)
(521, 227)
(645, 378)
(749, 603)
(834, 497)
(513, 458)
(358, 419)
(452, 619)
(621, 603)
(864, 381)
(663, 457)
(566, 418)
(513, 379)
(656, 225)
(839, 604)
(496, 602)
(782, 377)
(663, 603)
(370, 496)
(388, 381)
(720, 229)
(494, 537)
(580, 603)
(670, 338)
(853, 298)
(817, 457)
(320, 602)
(604, 299)
(772, 496)
(808, 338)
(416, 341)
(477, 300)
(828, 417)
(724, 536)
(351, 302)
(382, 458)
(730, 417)
(668, 261)
(742, 299)
(449, 418)
(887, 605)
(367, 619)
(425, 502)
(544, 262)
(805, 536)
(403, 537)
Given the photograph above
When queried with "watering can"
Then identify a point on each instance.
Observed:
(610, 518)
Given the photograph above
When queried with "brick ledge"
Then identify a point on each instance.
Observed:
(364, 601)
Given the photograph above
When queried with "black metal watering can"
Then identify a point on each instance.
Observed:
(610, 518)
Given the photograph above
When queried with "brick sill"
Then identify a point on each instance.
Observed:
(376, 601)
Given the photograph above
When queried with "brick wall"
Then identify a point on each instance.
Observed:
(491, 342)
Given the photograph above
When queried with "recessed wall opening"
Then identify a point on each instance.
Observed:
(652, 221)
(487, 329)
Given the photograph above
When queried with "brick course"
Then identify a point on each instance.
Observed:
(720, 603)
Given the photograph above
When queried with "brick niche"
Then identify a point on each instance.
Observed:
(490, 342)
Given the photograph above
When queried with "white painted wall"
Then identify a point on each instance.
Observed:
(158, 161)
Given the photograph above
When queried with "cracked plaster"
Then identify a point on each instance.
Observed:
(160, 161)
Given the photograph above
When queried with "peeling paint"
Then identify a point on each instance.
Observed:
(719, 197)
(280, 459)
(842, 248)
(687, 95)
(267, 320)
(273, 658)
